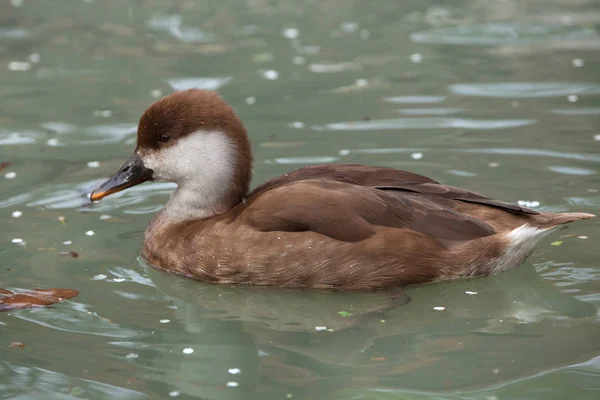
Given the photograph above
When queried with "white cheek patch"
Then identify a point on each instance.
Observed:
(202, 164)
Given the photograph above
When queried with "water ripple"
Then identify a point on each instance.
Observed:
(75, 317)
(425, 123)
(500, 33)
(172, 24)
(24, 382)
(511, 90)
(198, 83)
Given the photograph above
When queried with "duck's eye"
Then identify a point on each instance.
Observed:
(164, 138)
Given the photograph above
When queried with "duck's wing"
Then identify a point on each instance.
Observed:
(390, 179)
(356, 174)
(350, 213)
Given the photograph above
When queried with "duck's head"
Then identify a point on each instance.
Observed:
(192, 138)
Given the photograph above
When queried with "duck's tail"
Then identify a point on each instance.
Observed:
(550, 220)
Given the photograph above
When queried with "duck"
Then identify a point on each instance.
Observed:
(325, 226)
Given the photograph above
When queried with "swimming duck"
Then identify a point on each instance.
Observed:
(342, 226)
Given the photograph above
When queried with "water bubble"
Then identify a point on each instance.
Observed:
(10, 175)
(93, 164)
(297, 125)
(188, 350)
(572, 98)
(18, 241)
(417, 156)
(164, 321)
(233, 384)
(156, 93)
(234, 371)
(17, 214)
(439, 308)
(250, 100)
(90, 233)
(577, 62)
(67, 242)
(53, 142)
(174, 393)
(470, 293)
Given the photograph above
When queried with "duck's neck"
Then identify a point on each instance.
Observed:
(190, 202)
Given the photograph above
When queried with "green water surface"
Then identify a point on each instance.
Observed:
(501, 97)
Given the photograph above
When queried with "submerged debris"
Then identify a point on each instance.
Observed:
(10, 300)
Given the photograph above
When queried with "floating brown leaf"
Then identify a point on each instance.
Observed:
(72, 254)
(33, 298)
(4, 164)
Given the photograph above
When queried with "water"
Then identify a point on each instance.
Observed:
(500, 97)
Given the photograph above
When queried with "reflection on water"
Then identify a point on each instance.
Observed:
(499, 97)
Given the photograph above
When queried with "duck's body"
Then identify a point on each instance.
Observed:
(329, 226)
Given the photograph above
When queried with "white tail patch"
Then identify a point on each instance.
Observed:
(522, 243)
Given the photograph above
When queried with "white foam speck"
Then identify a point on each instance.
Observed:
(470, 293)
(93, 164)
(417, 156)
(188, 350)
(20, 66)
(102, 113)
(291, 33)
(250, 100)
(320, 328)
(234, 371)
(344, 152)
(67, 242)
(10, 175)
(164, 321)
(17, 214)
(439, 308)
(156, 93)
(572, 98)
(131, 355)
(298, 60)
(233, 384)
(416, 58)
(99, 277)
(104, 217)
(582, 237)
(270, 74)
(174, 393)
(18, 241)
(297, 125)
(17, 3)
(577, 62)
(90, 233)
(494, 165)
(53, 142)
(34, 58)
(118, 280)
(528, 203)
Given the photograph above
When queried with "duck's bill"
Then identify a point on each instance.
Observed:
(130, 174)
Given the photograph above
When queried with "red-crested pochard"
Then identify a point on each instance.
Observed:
(324, 226)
